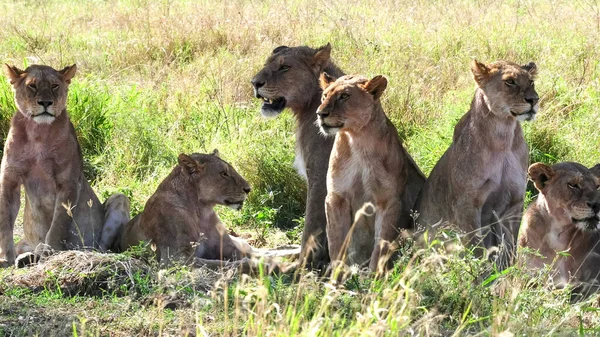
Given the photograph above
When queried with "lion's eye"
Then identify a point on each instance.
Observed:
(55, 87)
(573, 186)
(224, 174)
(284, 68)
(344, 96)
(510, 83)
(531, 83)
(32, 86)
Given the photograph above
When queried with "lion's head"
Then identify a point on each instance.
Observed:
(348, 102)
(509, 88)
(570, 193)
(214, 179)
(40, 91)
(289, 78)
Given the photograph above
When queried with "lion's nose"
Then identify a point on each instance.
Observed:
(532, 100)
(322, 113)
(45, 104)
(595, 206)
(247, 189)
(256, 83)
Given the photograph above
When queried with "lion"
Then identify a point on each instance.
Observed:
(180, 223)
(368, 164)
(290, 79)
(479, 183)
(565, 217)
(42, 154)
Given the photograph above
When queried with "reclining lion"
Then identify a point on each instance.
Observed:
(565, 217)
(479, 183)
(180, 222)
(368, 164)
(42, 153)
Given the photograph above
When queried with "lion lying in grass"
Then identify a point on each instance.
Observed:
(479, 183)
(368, 164)
(180, 223)
(565, 217)
(42, 154)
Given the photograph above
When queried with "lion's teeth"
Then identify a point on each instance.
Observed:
(270, 101)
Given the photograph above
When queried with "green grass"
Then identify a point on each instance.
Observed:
(157, 78)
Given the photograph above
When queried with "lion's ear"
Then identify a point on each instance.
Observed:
(325, 80)
(531, 68)
(278, 49)
(68, 73)
(189, 164)
(13, 73)
(540, 174)
(376, 86)
(216, 153)
(480, 71)
(596, 171)
(320, 59)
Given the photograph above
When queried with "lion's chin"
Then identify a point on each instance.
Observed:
(526, 116)
(330, 131)
(237, 205)
(43, 118)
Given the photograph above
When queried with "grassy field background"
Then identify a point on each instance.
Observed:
(157, 78)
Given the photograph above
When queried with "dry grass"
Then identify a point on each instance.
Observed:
(162, 77)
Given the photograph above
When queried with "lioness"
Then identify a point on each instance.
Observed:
(479, 183)
(180, 222)
(290, 78)
(368, 164)
(42, 153)
(564, 217)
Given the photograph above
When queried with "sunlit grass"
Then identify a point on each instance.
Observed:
(157, 78)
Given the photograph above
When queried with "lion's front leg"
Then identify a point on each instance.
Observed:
(467, 212)
(509, 225)
(387, 219)
(314, 238)
(9, 207)
(66, 199)
(339, 222)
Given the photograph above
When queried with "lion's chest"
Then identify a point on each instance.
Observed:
(39, 169)
(355, 173)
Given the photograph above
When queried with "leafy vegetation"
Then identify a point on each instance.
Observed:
(157, 78)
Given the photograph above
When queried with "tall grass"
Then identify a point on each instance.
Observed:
(157, 78)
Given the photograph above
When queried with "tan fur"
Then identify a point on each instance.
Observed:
(368, 165)
(564, 218)
(179, 219)
(292, 73)
(42, 154)
(479, 183)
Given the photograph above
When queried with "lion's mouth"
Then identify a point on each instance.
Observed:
(328, 129)
(235, 204)
(45, 113)
(271, 105)
(591, 223)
